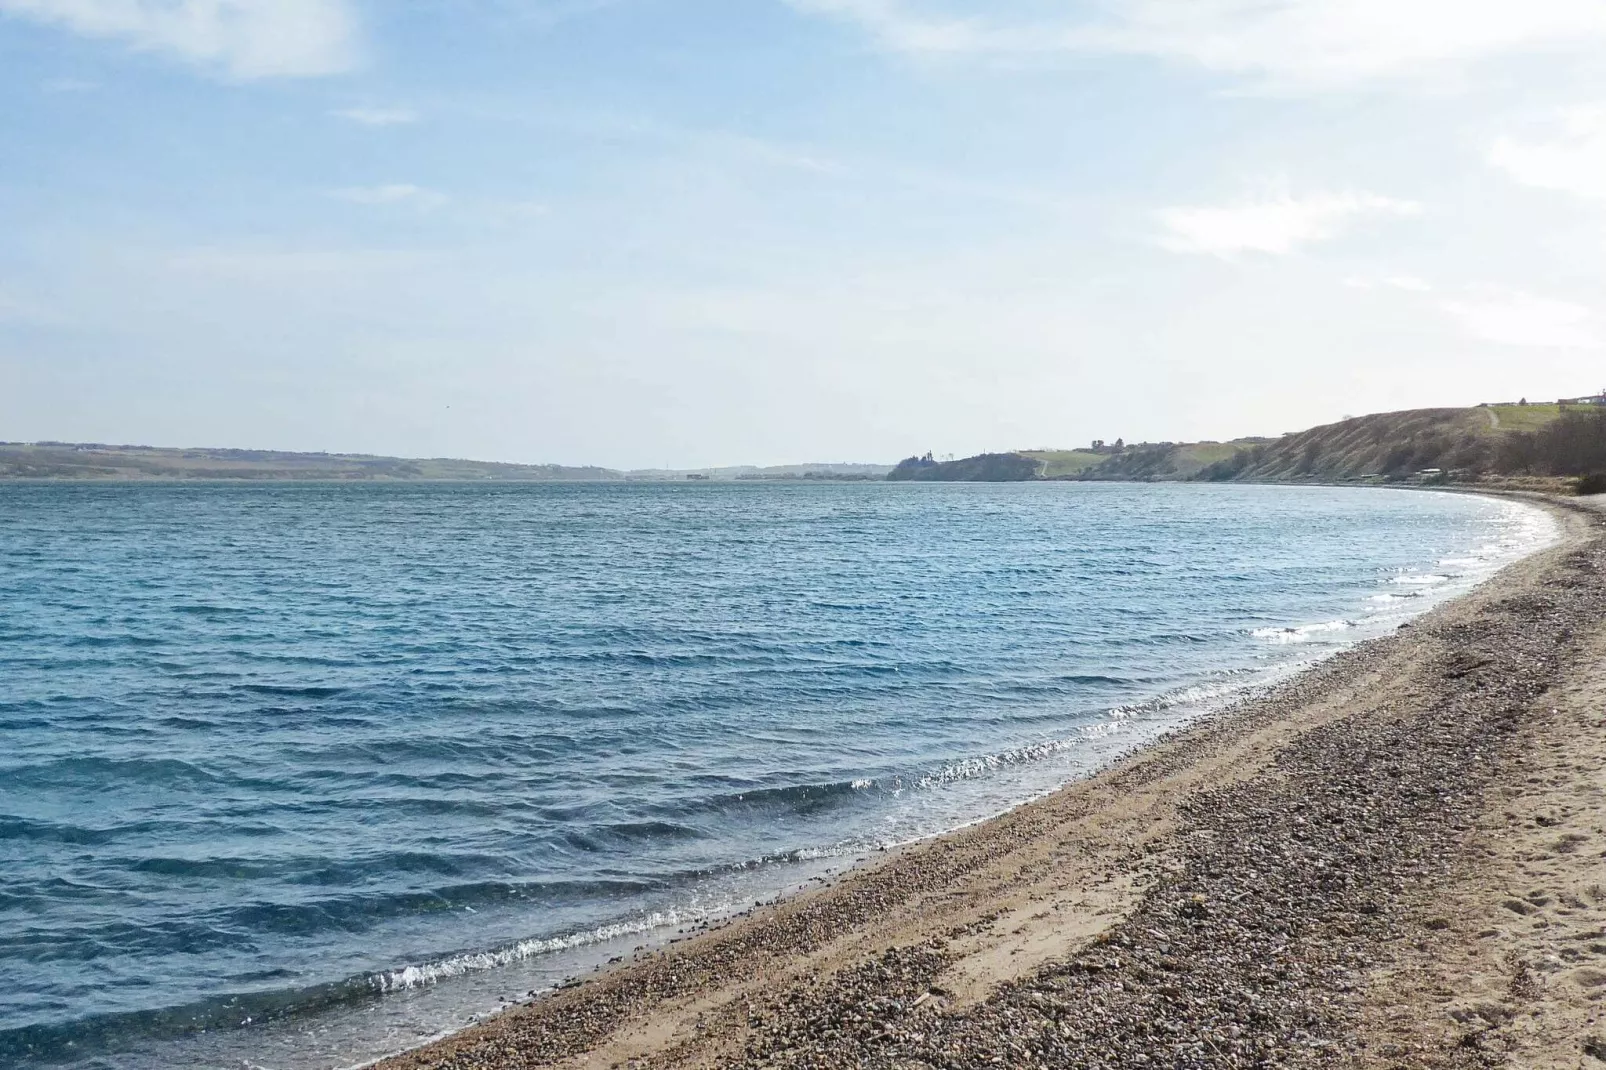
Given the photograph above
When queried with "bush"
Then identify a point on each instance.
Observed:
(1572, 445)
(1594, 483)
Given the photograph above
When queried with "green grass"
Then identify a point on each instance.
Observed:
(1210, 452)
(1064, 462)
(1522, 417)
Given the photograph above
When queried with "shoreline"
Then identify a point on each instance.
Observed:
(971, 913)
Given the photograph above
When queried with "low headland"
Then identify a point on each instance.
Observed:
(1391, 860)
(1509, 446)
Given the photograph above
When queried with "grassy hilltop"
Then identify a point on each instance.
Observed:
(1519, 443)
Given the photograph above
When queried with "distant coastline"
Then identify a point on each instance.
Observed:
(99, 462)
(1551, 447)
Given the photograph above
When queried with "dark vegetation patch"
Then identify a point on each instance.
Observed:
(986, 468)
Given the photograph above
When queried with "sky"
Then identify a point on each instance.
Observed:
(680, 233)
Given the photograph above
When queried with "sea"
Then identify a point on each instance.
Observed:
(299, 775)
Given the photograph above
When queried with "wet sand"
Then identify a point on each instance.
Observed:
(1394, 859)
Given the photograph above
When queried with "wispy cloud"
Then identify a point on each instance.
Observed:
(258, 265)
(392, 193)
(1514, 318)
(378, 116)
(1282, 43)
(910, 28)
(68, 85)
(16, 308)
(1274, 225)
(243, 39)
(1571, 157)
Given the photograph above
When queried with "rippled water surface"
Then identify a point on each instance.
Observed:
(291, 776)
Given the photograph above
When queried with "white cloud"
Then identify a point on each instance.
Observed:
(1409, 283)
(1304, 43)
(242, 38)
(378, 116)
(1513, 318)
(1276, 225)
(392, 193)
(1572, 159)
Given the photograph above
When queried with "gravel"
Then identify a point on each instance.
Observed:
(1267, 906)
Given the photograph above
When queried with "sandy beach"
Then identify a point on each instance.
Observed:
(1394, 859)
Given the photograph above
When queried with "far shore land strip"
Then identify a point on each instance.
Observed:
(1392, 860)
(1551, 446)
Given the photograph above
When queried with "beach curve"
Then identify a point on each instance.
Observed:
(1229, 896)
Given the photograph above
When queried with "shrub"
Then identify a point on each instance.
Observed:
(1594, 483)
(1572, 445)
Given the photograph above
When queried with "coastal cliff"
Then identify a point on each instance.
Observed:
(1539, 444)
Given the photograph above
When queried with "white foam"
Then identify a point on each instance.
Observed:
(1421, 579)
(416, 976)
(1302, 634)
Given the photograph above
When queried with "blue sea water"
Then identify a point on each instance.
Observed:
(297, 775)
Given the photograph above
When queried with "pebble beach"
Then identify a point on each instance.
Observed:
(1296, 881)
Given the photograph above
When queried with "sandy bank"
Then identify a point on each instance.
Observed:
(1301, 879)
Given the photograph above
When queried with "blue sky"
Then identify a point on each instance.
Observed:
(645, 233)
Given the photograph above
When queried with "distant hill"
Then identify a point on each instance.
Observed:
(98, 461)
(1383, 446)
(1445, 445)
(1505, 442)
(1143, 461)
(65, 460)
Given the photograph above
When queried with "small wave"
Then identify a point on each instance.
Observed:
(1302, 634)
(1421, 580)
(797, 798)
(1230, 682)
(290, 691)
(23, 828)
(971, 768)
(1192, 695)
(87, 1036)
(429, 973)
(99, 772)
(650, 830)
(216, 868)
(359, 912)
(631, 833)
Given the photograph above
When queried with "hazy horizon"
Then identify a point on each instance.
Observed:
(637, 234)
